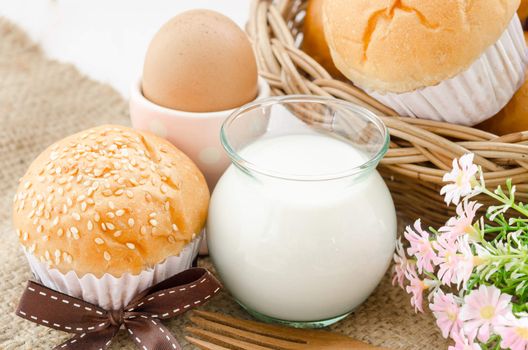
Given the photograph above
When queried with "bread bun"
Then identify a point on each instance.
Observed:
(109, 200)
(514, 116)
(314, 42)
(523, 11)
(400, 46)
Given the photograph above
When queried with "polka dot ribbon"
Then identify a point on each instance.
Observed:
(95, 327)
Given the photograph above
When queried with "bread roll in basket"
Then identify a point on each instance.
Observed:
(421, 151)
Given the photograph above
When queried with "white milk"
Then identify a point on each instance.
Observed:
(301, 250)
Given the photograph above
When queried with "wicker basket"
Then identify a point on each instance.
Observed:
(421, 150)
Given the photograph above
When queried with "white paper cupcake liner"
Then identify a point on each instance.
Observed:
(109, 292)
(475, 94)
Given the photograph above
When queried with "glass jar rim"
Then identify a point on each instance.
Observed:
(238, 160)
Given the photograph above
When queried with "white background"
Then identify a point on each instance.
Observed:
(105, 39)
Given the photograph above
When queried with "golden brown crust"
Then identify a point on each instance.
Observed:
(514, 116)
(402, 45)
(109, 200)
(314, 41)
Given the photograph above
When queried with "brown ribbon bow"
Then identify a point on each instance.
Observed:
(95, 327)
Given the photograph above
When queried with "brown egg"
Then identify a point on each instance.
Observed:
(513, 117)
(314, 41)
(200, 61)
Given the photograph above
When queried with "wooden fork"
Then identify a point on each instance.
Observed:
(219, 332)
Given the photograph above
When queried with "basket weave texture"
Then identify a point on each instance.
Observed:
(421, 151)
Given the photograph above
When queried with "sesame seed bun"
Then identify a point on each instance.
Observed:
(400, 46)
(109, 200)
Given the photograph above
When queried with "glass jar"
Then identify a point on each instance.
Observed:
(301, 227)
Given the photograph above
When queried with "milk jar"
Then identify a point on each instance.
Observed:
(301, 226)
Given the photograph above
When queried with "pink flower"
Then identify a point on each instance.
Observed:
(462, 177)
(515, 334)
(447, 259)
(421, 247)
(466, 262)
(445, 309)
(463, 223)
(416, 287)
(400, 260)
(454, 258)
(462, 342)
(484, 310)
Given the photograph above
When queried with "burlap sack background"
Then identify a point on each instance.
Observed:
(42, 101)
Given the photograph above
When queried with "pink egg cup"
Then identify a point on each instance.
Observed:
(195, 134)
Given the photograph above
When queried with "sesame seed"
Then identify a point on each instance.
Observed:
(107, 256)
(97, 217)
(171, 239)
(111, 205)
(47, 255)
(57, 253)
(69, 201)
(153, 214)
(143, 230)
(45, 238)
(175, 227)
(164, 188)
(55, 221)
(25, 236)
(110, 226)
(40, 228)
(60, 231)
(130, 245)
(75, 232)
(110, 215)
(117, 233)
(129, 194)
(83, 206)
(103, 226)
(89, 225)
(153, 222)
(120, 212)
(99, 240)
(131, 222)
(27, 185)
(76, 216)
